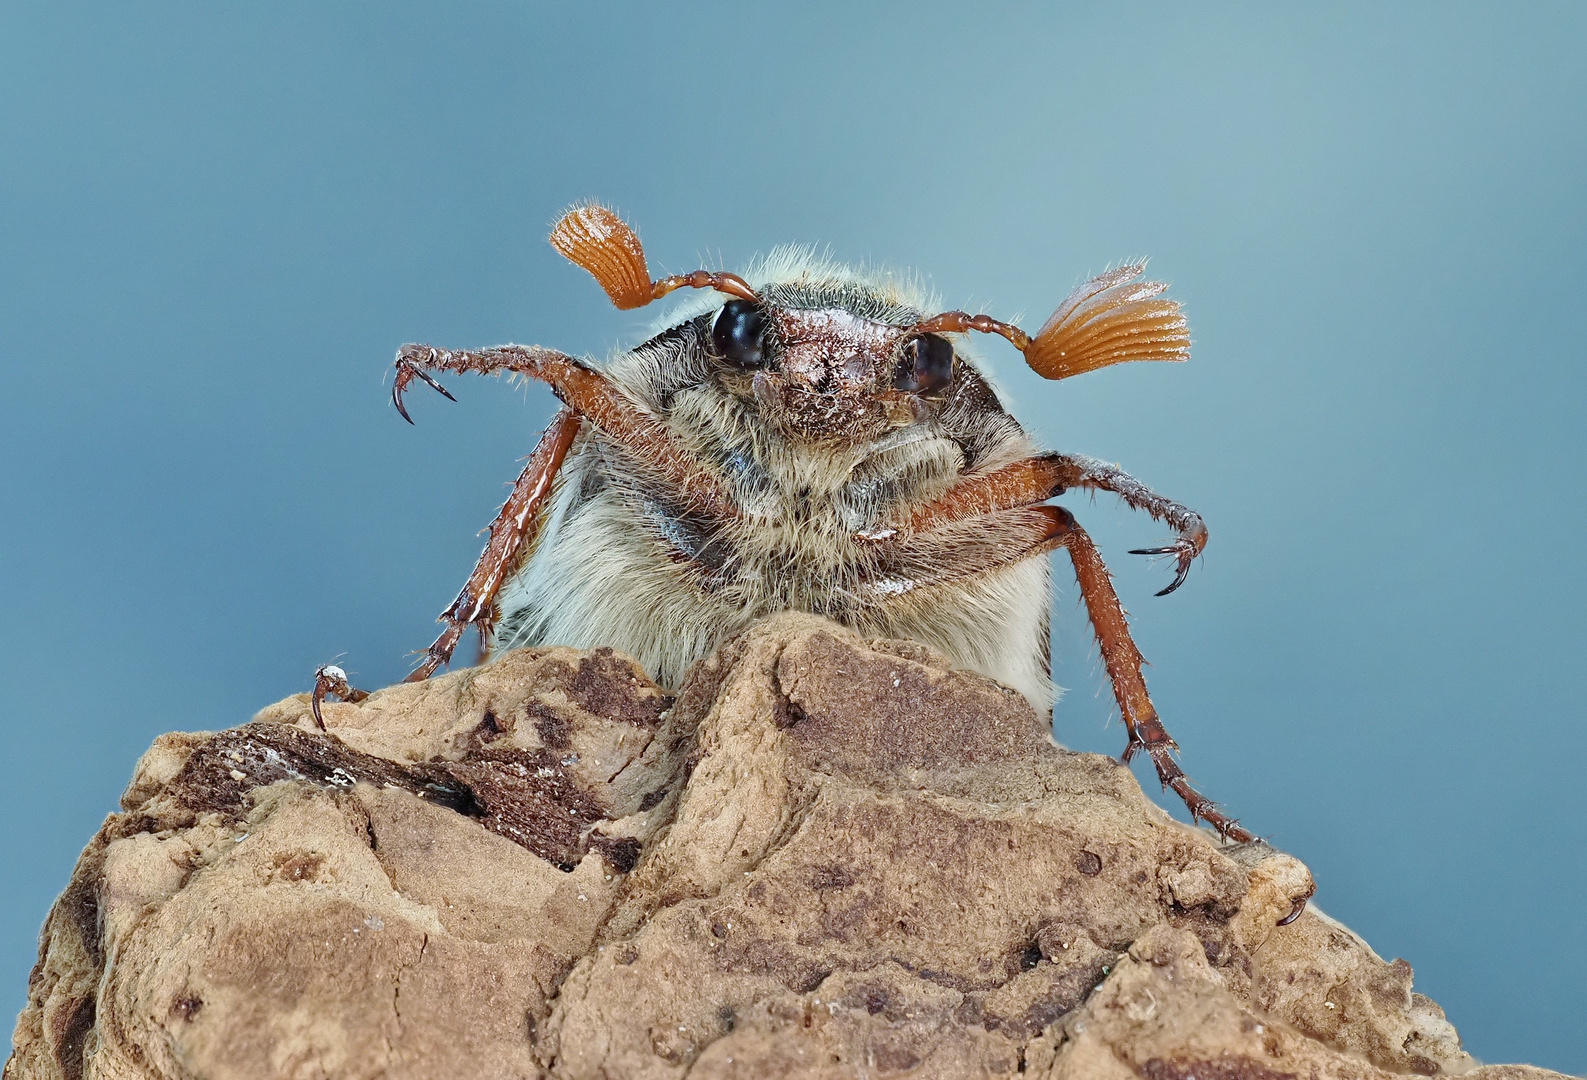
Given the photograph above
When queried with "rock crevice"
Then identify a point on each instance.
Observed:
(825, 857)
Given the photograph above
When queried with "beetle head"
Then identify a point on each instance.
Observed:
(841, 371)
(829, 373)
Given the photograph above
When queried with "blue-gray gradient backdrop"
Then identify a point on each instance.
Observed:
(218, 222)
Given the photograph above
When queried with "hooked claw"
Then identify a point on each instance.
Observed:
(330, 679)
(1185, 553)
(408, 370)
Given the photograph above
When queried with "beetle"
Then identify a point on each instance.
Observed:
(808, 437)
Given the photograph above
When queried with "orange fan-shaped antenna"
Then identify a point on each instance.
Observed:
(1111, 319)
(602, 243)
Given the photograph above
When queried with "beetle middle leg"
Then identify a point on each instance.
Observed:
(1036, 479)
(987, 541)
(1123, 661)
(511, 534)
(589, 395)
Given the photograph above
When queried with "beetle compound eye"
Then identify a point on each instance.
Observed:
(738, 334)
(926, 365)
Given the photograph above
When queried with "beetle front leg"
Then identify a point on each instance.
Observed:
(1087, 472)
(1036, 479)
(587, 392)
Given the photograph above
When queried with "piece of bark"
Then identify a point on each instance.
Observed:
(827, 857)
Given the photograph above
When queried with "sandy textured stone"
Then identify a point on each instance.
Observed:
(826, 857)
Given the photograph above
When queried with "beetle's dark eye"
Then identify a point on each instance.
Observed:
(926, 366)
(738, 333)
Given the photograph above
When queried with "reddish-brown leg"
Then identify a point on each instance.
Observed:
(1037, 479)
(588, 392)
(510, 535)
(1008, 536)
(905, 561)
(1123, 661)
(330, 679)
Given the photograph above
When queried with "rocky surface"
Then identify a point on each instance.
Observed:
(827, 857)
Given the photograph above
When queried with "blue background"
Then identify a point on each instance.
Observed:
(217, 224)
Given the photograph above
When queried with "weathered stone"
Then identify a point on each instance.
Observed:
(828, 857)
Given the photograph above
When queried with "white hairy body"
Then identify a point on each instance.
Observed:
(615, 565)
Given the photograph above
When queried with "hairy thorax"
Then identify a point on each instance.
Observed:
(620, 557)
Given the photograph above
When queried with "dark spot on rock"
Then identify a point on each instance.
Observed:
(726, 1017)
(1030, 957)
(459, 798)
(628, 955)
(1088, 863)
(795, 968)
(80, 905)
(1422, 1066)
(222, 774)
(138, 823)
(489, 728)
(1391, 986)
(1213, 948)
(652, 799)
(866, 714)
(824, 878)
(553, 730)
(71, 1034)
(1223, 1068)
(876, 999)
(186, 1007)
(690, 763)
(718, 929)
(620, 852)
(785, 713)
(609, 686)
(528, 797)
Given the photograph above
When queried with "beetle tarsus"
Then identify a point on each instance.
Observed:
(1294, 912)
(330, 679)
(439, 653)
(408, 369)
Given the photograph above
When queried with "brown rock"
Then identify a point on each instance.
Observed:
(828, 857)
